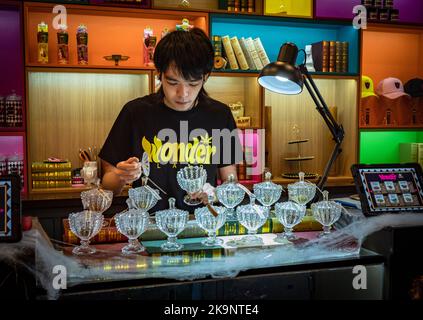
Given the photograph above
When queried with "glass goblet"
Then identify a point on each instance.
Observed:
(191, 179)
(172, 222)
(98, 200)
(267, 192)
(326, 212)
(132, 224)
(289, 214)
(252, 217)
(230, 195)
(210, 223)
(301, 192)
(142, 198)
(85, 225)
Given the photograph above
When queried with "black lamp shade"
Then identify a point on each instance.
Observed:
(283, 76)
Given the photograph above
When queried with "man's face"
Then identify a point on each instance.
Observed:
(179, 93)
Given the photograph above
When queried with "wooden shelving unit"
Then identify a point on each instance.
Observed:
(52, 101)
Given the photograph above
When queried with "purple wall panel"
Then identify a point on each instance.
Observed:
(411, 11)
(11, 53)
(340, 9)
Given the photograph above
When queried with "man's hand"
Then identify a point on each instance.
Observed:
(208, 190)
(129, 170)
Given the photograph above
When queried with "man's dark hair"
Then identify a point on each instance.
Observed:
(191, 52)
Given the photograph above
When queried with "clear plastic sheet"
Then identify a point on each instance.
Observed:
(106, 265)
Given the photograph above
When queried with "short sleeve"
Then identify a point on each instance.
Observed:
(118, 146)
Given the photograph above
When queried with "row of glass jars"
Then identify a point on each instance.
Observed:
(172, 221)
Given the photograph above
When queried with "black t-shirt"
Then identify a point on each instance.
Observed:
(147, 124)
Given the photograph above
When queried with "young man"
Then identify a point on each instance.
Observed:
(177, 126)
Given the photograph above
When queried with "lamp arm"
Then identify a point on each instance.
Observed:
(336, 130)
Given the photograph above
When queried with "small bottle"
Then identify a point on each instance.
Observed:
(149, 46)
(82, 44)
(42, 39)
(62, 45)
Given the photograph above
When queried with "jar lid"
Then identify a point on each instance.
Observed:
(13, 97)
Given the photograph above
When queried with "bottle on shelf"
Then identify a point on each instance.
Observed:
(82, 44)
(62, 45)
(42, 39)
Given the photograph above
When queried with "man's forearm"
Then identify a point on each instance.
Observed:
(112, 181)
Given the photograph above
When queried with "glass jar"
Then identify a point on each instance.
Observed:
(13, 107)
(2, 112)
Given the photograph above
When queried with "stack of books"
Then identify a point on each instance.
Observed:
(243, 53)
(237, 5)
(51, 174)
(330, 56)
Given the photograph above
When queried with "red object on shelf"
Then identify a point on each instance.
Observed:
(26, 223)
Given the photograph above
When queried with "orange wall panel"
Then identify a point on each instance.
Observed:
(106, 35)
(392, 54)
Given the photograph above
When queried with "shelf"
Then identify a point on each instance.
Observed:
(72, 110)
(60, 190)
(331, 181)
(144, 4)
(292, 8)
(315, 75)
(111, 30)
(229, 89)
(410, 11)
(85, 67)
(212, 6)
(382, 146)
(290, 113)
(299, 158)
(12, 130)
(297, 141)
(399, 128)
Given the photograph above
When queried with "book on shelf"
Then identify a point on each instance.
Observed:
(51, 184)
(230, 54)
(51, 166)
(193, 250)
(251, 6)
(110, 234)
(250, 62)
(332, 56)
(52, 176)
(320, 53)
(239, 54)
(261, 52)
(249, 43)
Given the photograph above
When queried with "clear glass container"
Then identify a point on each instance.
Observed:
(267, 192)
(289, 214)
(191, 179)
(85, 225)
(172, 222)
(143, 198)
(230, 195)
(326, 212)
(98, 200)
(210, 223)
(132, 224)
(302, 191)
(252, 217)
